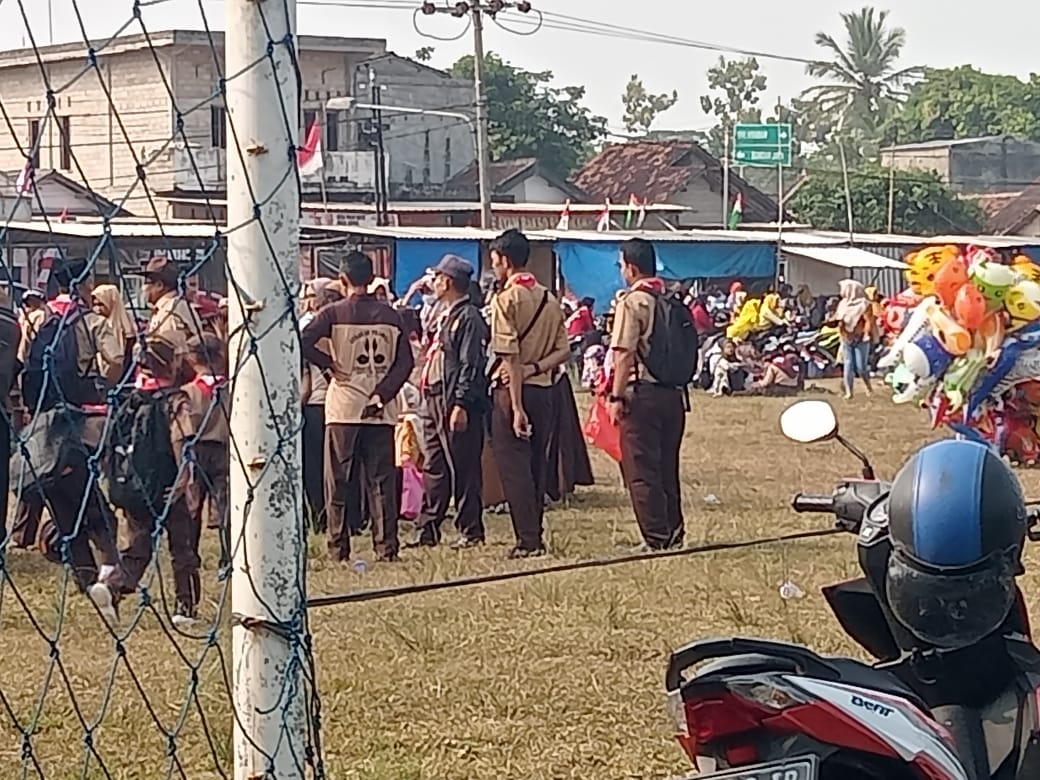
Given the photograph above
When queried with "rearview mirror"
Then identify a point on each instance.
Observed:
(809, 421)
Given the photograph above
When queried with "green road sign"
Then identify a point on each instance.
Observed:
(762, 144)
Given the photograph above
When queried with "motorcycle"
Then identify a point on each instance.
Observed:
(754, 709)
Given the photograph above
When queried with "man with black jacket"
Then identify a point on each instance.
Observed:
(10, 337)
(455, 392)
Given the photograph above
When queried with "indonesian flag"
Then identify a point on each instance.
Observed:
(565, 216)
(25, 178)
(309, 157)
(737, 213)
(603, 223)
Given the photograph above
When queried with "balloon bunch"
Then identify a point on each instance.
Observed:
(966, 346)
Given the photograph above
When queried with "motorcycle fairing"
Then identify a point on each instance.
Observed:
(881, 721)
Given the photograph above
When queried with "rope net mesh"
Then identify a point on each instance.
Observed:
(111, 670)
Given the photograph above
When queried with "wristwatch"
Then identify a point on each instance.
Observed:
(615, 399)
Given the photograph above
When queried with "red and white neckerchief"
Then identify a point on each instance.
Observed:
(208, 384)
(149, 383)
(651, 285)
(523, 279)
(433, 351)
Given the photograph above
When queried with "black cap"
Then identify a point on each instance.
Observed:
(454, 267)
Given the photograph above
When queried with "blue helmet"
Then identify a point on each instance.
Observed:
(958, 522)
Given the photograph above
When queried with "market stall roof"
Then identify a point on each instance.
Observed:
(117, 229)
(845, 257)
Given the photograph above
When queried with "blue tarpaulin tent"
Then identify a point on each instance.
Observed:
(591, 268)
(412, 256)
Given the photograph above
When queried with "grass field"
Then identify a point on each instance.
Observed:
(558, 676)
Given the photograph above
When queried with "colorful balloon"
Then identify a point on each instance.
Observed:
(1025, 266)
(994, 281)
(949, 279)
(923, 266)
(970, 306)
(954, 337)
(1022, 303)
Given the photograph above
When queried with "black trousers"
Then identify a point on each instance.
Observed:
(651, 435)
(522, 463)
(452, 471)
(314, 463)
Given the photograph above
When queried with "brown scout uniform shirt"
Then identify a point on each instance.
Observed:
(633, 323)
(512, 311)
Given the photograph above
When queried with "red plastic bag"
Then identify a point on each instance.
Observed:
(600, 432)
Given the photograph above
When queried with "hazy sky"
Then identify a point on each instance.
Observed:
(999, 36)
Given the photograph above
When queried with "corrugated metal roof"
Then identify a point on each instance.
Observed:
(845, 257)
(414, 206)
(944, 143)
(117, 229)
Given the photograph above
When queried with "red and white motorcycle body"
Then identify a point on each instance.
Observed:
(772, 711)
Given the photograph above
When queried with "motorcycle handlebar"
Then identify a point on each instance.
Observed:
(811, 502)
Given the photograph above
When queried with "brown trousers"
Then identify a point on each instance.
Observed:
(452, 470)
(651, 434)
(372, 446)
(522, 463)
(183, 531)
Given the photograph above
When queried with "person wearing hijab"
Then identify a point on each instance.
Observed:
(855, 319)
(734, 302)
(118, 333)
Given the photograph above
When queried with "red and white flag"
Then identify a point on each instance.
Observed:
(309, 157)
(26, 178)
(565, 216)
(603, 223)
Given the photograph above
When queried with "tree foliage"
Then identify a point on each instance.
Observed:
(735, 88)
(863, 85)
(964, 102)
(923, 205)
(528, 117)
(642, 107)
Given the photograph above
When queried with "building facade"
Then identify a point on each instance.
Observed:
(971, 165)
(165, 112)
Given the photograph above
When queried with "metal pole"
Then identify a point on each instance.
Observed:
(267, 529)
(483, 144)
(891, 198)
(384, 187)
(377, 121)
(725, 180)
(50, 21)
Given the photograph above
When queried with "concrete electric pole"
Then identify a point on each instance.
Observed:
(477, 10)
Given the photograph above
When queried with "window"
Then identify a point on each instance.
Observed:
(218, 127)
(308, 120)
(447, 157)
(332, 131)
(34, 135)
(65, 127)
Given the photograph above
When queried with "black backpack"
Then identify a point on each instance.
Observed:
(672, 358)
(142, 466)
(51, 374)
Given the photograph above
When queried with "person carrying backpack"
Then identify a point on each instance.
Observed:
(149, 481)
(65, 395)
(654, 345)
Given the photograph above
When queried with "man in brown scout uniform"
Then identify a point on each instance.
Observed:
(529, 342)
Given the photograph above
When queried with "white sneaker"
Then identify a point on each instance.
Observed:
(101, 595)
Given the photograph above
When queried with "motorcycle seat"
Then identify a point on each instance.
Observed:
(851, 672)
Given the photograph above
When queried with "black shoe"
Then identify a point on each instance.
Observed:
(388, 558)
(463, 543)
(518, 553)
(424, 537)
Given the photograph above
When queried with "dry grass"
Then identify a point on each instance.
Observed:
(551, 677)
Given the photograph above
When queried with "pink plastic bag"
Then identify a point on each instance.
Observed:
(411, 490)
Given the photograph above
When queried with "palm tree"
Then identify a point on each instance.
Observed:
(864, 85)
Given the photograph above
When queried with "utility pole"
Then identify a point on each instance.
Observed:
(382, 201)
(477, 10)
(725, 178)
(268, 536)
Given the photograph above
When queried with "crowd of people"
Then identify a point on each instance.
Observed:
(451, 400)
